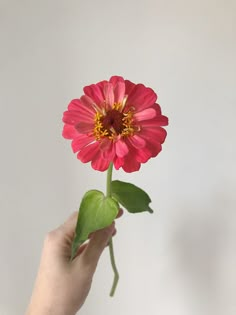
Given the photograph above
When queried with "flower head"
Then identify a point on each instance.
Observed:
(115, 121)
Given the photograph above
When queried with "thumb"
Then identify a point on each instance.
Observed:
(96, 245)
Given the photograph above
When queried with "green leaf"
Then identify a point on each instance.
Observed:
(133, 198)
(96, 212)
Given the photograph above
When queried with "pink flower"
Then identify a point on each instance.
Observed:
(115, 121)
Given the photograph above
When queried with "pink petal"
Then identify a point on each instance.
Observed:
(81, 141)
(69, 132)
(84, 127)
(121, 148)
(155, 150)
(145, 114)
(107, 148)
(141, 97)
(130, 166)
(115, 79)
(118, 162)
(101, 85)
(119, 92)
(88, 152)
(74, 104)
(137, 141)
(130, 162)
(154, 138)
(153, 135)
(100, 164)
(144, 155)
(95, 93)
(78, 111)
(128, 87)
(85, 117)
(88, 104)
(86, 111)
(155, 122)
(71, 117)
(109, 94)
(157, 107)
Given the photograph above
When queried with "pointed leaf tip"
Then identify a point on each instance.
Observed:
(133, 198)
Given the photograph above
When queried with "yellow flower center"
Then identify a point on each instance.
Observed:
(113, 123)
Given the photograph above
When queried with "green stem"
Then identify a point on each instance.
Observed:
(112, 257)
(109, 179)
(113, 263)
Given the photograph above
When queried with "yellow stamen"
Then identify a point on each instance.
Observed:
(117, 106)
(127, 123)
(127, 127)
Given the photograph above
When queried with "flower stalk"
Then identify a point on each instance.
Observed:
(111, 250)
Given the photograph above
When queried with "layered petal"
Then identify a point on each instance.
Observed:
(142, 156)
(137, 142)
(80, 142)
(84, 127)
(71, 117)
(148, 152)
(87, 106)
(119, 92)
(107, 148)
(141, 97)
(155, 150)
(155, 122)
(128, 87)
(121, 148)
(117, 122)
(88, 153)
(145, 114)
(101, 85)
(115, 79)
(95, 92)
(131, 164)
(109, 94)
(79, 110)
(157, 107)
(153, 135)
(99, 163)
(74, 104)
(130, 167)
(69, 132)
(118, 162)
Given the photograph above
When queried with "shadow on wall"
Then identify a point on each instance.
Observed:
(203, 249)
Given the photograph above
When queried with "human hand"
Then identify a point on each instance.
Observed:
(62, 285)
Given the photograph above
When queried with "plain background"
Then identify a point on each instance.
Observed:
(180, 260)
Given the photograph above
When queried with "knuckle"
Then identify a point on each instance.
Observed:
(106, 232)
(73, 215)
(53, 236)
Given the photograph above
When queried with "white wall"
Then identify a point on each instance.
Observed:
(179, 261)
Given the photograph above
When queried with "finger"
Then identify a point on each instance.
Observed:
(83, 246)
(68, 227)
(80, 250)
(114, 232)
(91, 234)
(120, 213)
(96, 245)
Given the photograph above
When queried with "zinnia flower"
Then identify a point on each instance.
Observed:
(115, 121)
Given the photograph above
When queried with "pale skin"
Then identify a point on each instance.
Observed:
(62, 285)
